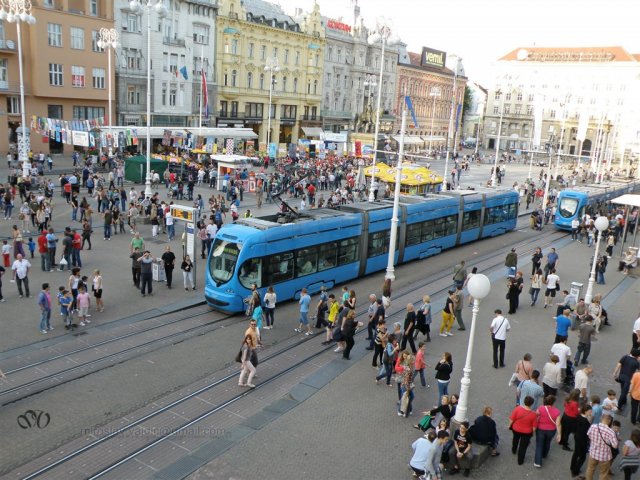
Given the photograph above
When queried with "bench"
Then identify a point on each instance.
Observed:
(480, 454)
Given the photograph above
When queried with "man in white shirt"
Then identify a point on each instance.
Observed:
(582, 382)
(575, 224)
(563, 352)
(168, 220)
(20, 270)
(498, 329)
(550, 293)
(636, 333)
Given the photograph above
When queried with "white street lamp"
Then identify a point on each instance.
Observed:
(108, 38)
(136, 6)
(393, 237)
(19, 11)
(435, 93)
(601, 224)
(479, 287)
(563, 112)
(271, 67)
(454, 97)
(494, 175)
(382, 35)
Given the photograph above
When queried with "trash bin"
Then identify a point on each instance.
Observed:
(158, 272)
(576, 290)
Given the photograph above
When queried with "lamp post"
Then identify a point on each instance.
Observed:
(601, 224)
(271, 67)
(545, 198)
(435, 93)
(479, 287)
(136, 6)
(564, 115)
(390, 275)
(453, 107)
(382, 35)
(108, 38)
(19, 11)
(478, 125)
(494, 175)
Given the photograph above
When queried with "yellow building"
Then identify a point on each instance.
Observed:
(65, 73)
(252, 35)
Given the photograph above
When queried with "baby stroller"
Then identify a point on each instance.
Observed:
(569, 378)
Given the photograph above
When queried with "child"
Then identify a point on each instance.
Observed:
(65, 304)
(596, 409)
(59, 295)
(331, 320)
(610, 404)
(616, 426)
(84, 302)
(6, 253)
(32, 246)
(257, 316)
(420, 364)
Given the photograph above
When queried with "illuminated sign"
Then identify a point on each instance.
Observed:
(433, 58)
(336, 25)
(180, 212)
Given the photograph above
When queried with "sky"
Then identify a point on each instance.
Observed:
(480, 32)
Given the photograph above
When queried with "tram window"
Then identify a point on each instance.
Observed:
(427, 231)
(568, 207)
(306, 261)
(499, 214)
(413, 234)
(471, 220)
(251, 273)
(451, 225)
(348, 251)
(278, 268)
(378, 243)
(223, 260)
(327, 256)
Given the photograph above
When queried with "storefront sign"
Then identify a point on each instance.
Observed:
(336, 25)
(334, 137)
(433, 58)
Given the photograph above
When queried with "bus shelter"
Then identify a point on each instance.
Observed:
(631, 202)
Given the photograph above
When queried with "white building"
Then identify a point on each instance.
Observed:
(582, 99)
(178, 42)
(474, 115)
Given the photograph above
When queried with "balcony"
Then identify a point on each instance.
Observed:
(173, 41)
(7, 87)
(8, 46)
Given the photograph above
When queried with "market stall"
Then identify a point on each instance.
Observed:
(414, 180)
(230, 164)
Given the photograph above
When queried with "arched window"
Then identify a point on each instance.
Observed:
(315, 87)
(262, 81)
(249, 80)
(284, 84)
(295, 85)
(234, 78)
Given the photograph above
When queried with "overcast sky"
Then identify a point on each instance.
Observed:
(482, 31)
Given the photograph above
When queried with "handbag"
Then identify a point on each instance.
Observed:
(629, 461)
(404, 402)
(530, 290)
(63, 261)
(558, 287)
(425, 423)
(514, 381)
(239, 356)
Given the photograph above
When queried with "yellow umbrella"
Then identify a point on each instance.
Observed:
(412, 174)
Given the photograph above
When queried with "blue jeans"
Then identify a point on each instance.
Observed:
(107, 231)
(600, 278)
(423, 381)
(171, 232)
(534, 295)
(303, 318)
(584, 349)
(543, 444)
(45, 319)
(386, 373)
(74, 214)
(443, 389)
(511, 271)
(409, 405)
(75, 258)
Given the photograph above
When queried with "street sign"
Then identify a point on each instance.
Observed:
(180, 212)
(191, 240)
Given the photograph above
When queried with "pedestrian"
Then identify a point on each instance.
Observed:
(581, 440)
(65, 300)
(423, 318)
(458, 304)
(625, 368)
(371, 325)
(522, 422)
(420, 364)
(447, 316)
(531, 388)
(409, 326)
(169, 262)
(187, 273)
(405, 406)
(552, 262)
(379, 342)
(553, 285)
(146, 281)
(569, 418)
(547, 427)
(536, 285)
(18, 247)
(21, 268)
(135, 266)
(634, 392)
(44, 302)
(377, 316)
(585, 334)
(2, 271)
(459, 274)
(498, 330)
(96, 287)
(6, 253)
(304, 302)
(391, 349)
(511, 262)
(43, 250)
(514, 287)
(83, 302)
(248, 370)
(582, 382)
(536, 261)
(86, 233)
(73, 285)
(349, 328)
(630, 459)
(551, 376)
(602, 439)
(270, 307)
(443, 374)
(462, 444)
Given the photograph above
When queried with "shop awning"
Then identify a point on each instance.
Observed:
(410, 139)
(434, 138)
(628, 199)
(313, 131)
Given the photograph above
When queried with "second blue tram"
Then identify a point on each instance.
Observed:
(325, 247)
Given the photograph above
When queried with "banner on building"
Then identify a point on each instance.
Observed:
(358, 148)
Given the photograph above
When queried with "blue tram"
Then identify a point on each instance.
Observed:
(591, 199)
(325, 247)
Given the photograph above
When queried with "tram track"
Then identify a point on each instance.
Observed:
(486, 262)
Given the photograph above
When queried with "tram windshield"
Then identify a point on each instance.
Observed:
(568, 207)
(223, 260)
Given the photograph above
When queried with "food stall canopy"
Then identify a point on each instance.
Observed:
(228, 164)
(158, 132)
(412, 174)
(313, 131)
(628, 199)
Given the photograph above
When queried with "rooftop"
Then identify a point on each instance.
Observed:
(570, 54)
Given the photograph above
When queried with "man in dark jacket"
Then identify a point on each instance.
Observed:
(484, 432)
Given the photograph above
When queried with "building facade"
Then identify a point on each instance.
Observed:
(65, 72)
(430, 85)
(565, 98)
(183, 46)
(269, 63)
(473, 117)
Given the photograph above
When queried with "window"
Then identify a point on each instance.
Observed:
(286, 56)
(330, 54)
(339, 59)
(314, 113)
(315, 87)
(173, 94)
(234, 46)
(131, 23)
(4, 73)
(249, 80)
(173, 63)
(95, 36)
(275, 52)
(263, 52)
(77, 38)
(13, 105)
(529, 110)
(348, 251)
(234, 78)
(471, 220)
(133, 95)
(262, 81)
(297, 60)
(502, 213)
(378, 243)
(518, 109)
(54, 32)
(327, 256)
(223, 260)
(497, 95)
(93, 8)
(54, 111)
(224, 108)
(288, 111)
(55, 74)
(507, 96)
(251, 273)
(48, 3)
(254, 110)
(132, 59)
(278, 268)
(413, 234)
(284, 84)
(306, 261)
(568, 207)
(87, 113)
(164, 93)
(99, 75)
(234, 109)
(250, 50)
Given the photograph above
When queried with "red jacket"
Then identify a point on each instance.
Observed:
(42, 244)
(77, 241)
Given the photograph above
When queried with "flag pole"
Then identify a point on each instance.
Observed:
(201, 98)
